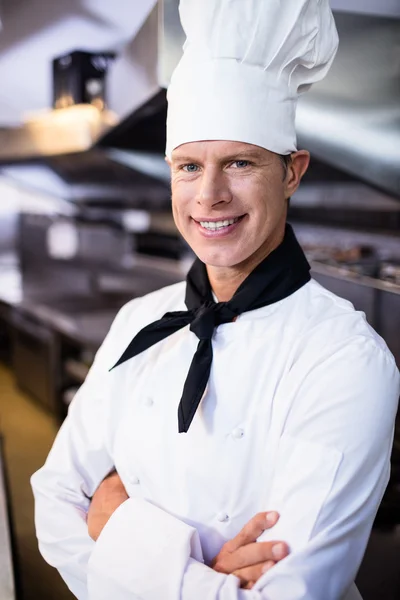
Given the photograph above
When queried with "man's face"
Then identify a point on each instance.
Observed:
(229, 199)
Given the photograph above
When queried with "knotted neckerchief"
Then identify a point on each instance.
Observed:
(282, 273)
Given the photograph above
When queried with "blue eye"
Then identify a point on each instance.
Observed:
(191, 168)
(241, 164)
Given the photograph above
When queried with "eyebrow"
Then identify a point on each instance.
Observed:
(187, 159)
(240, 155)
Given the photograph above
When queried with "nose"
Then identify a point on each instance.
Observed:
(213, 189)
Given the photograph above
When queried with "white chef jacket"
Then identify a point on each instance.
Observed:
(297, 417)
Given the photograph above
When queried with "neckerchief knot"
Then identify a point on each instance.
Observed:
(204, 323)
(280, 274)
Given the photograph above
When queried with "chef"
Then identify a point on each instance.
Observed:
(246, 388)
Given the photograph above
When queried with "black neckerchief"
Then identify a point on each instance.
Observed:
(282, 273)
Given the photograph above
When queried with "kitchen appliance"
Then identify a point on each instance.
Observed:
(80, 78)
(34, 359)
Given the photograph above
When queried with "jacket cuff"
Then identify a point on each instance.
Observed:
(141, 552)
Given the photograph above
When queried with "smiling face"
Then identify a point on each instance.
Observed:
(229, 200)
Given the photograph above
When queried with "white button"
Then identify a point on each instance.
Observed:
(238, 433)
(222, 517)
(135, 480)
(148, 401)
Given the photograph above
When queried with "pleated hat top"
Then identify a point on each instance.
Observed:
(244, 65)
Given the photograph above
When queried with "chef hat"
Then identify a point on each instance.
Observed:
(245, 62)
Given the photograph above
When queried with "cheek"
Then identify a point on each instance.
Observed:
(255, 197)
(175, 215)
(265, 194)
(180, 205)
(182, 193)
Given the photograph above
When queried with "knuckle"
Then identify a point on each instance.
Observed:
(255, 572)
(220, 566)
(217, 567)
(240, 575)
(249, 586)
(248, 575)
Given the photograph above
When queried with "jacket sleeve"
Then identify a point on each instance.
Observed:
(330, 473)
(78, 461)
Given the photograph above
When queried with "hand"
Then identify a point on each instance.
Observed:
(246, 558)
(107, 498)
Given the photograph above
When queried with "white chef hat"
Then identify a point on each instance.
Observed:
(245, 62)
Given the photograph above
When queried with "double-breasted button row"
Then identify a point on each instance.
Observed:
(222, 517)
(238, 433)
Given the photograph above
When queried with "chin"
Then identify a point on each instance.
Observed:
(221, 259)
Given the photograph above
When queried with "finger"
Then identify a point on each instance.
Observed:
(248, 586)
(114, 482)
(250, 575)
(115, 477)
(252, 554)
(111, 473)
(257, 552)
(252, 530)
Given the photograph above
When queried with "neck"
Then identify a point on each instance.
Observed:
(225, 281)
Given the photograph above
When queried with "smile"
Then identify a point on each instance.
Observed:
(218, 228)
(212, 225)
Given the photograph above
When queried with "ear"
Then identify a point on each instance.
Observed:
(168, 161)
(296, 169)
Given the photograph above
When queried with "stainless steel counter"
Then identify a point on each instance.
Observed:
(83, 327)
(83, 320)
(48, 324)
(47, 330)
(86, 321)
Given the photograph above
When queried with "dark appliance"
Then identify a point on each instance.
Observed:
(34, 358)
(80, 78)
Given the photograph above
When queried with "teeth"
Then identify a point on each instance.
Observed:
(217, 224)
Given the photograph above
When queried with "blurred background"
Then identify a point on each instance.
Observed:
(85, 220)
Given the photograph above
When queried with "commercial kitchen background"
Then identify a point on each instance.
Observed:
(85, 221)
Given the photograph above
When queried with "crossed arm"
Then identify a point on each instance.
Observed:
(242, 556)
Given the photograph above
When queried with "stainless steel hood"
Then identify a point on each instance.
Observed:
(352, 119)
(91, 179)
